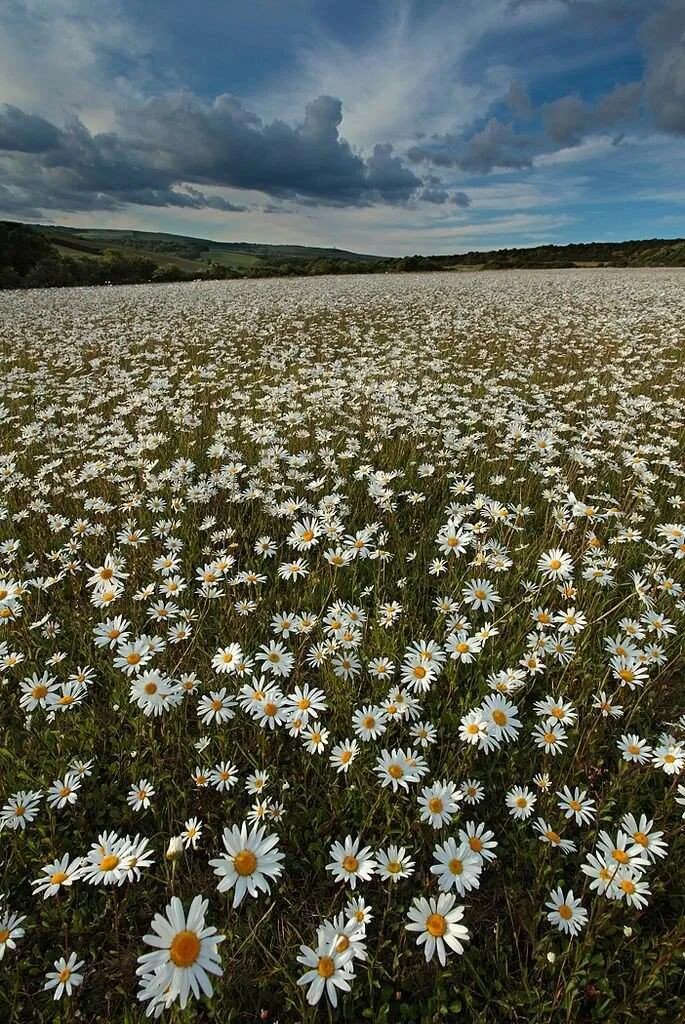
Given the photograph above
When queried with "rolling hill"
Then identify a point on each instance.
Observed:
(37, 255)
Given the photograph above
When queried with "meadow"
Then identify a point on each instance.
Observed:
(341, 657)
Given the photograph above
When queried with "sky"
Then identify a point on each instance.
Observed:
(381, 126)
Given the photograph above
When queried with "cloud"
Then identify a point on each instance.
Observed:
(167, 146)
(664, 39)
(565, 122)
(498, 144)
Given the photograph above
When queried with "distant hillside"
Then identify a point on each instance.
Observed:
(34, 255)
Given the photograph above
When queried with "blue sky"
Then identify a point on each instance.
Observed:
(389, 127)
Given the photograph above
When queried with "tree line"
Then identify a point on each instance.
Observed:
(29, 260)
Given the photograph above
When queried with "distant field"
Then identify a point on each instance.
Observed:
(352, 610)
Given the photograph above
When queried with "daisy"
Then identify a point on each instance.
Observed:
(60, 873)
(275, 658)
(343, 754)
(369, 723)
(556, 564)
(634, 748)
(479, 840)
(185, 953)
(566, 913)
(65, 977)
(474, 728)
(20, 809)
(457, 867)
(500, 715)
(10, 930)
(226, 659)
(64, 791)
(327, 972)
(216, 707)
(315, 739)
(223, 776)
(439, 803)
(627, 884)
(548, 835)
(357, 910)
(577, 805)
(472, 791)
(343, 934)
(437, 921)
(642, 834)
(394, 863)
(394, 769)
(670, 757)
(349, 863)
(550, 736)
(140, 795)
(621, 851)
(191, 833)
(106, 861)
(481, 594)
(250, 860)
(520, 800)
(599, 871)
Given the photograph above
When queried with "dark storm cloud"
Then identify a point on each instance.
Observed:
(664, 40)
(165, 148)
(25, 133)
(497, 145)
(564, 122)
(569, 120)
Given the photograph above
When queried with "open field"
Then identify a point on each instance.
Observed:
(393, 558)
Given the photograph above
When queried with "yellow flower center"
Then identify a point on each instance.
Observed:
(350, 863)
(641, 838)
(435, 805)
(185, 948)
(109, 862)
(555, 564)
(436, 925)
(150, 688)
(64, 975)
(396, 771)
(565, 912)
(245, 862)
(499, 717)
(58, 877)
(456, 866)
(326, 966)
(621, 856)
(342, 944)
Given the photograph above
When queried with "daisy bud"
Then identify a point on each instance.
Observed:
(551, 957)
(175, 848)
(627, 931)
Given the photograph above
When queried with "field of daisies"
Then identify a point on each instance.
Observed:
(341, 650)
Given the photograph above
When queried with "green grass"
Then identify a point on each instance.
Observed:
(105, 390)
